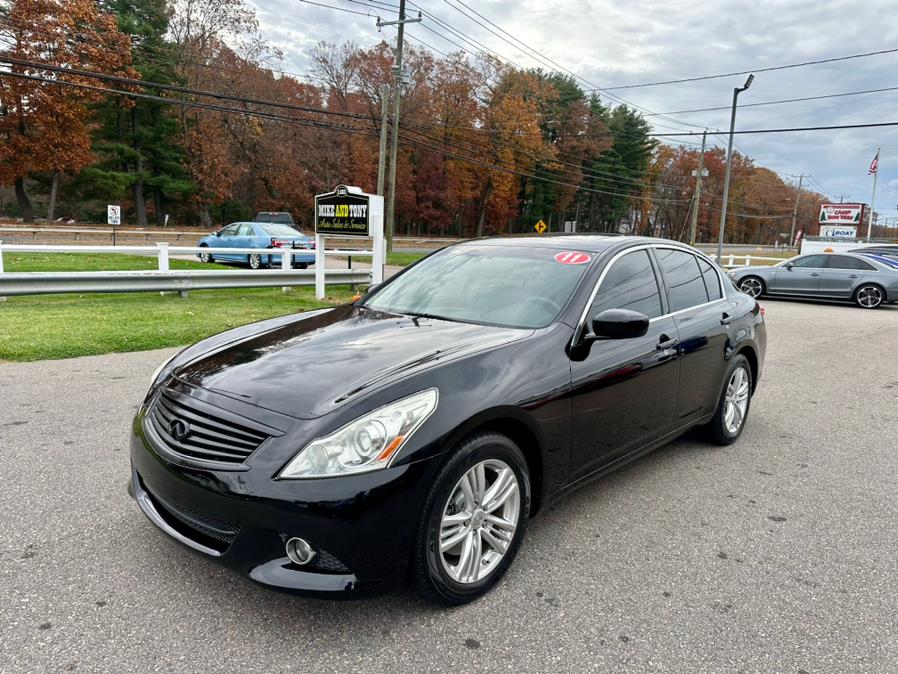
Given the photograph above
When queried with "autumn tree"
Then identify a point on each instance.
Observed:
(46, 126)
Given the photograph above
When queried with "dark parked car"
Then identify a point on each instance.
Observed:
(413, 433)
(279, 217)
(886, 253)
(258, 235)
(836, 276)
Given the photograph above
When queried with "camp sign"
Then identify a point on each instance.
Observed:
(342, 213)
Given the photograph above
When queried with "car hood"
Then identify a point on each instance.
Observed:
(307, 367)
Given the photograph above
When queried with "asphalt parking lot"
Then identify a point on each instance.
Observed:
(775, 554)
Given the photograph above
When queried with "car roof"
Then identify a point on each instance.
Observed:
(592, 243)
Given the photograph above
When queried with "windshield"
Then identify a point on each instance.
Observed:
(512, 287)
(274, 229)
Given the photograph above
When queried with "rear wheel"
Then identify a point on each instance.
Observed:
(473, 520)
(869, 296)
(302, 265)
(255, 261)
(735, 401)
(752, 286)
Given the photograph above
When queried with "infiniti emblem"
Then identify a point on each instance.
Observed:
(178, 429)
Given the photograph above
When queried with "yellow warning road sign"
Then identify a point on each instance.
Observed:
(540, 227)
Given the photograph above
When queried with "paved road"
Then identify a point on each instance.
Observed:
(776, 554)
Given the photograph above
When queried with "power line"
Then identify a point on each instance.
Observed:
(751, 70)
(783, 100)
(834, 127)
(339, 9)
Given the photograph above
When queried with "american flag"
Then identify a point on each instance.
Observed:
(873, 165)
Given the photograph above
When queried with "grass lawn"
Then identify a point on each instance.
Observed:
(64, 326)
(403, 259)
(21, 262)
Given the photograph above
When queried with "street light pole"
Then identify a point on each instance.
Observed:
(795, 211)
(726, 178)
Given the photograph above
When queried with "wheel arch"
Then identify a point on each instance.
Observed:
(521, 429)
(751, 356)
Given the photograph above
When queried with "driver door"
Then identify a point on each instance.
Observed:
(801, 276)
(624, 391)
(227, 239)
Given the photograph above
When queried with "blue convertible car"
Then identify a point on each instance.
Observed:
(259, 235)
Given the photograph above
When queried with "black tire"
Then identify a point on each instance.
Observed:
(869, 296)
(717, 429)
(254, 261)
(431, 579)
(206, 258)
(752, 286)
(302, 265)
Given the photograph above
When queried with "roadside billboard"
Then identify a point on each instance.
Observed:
(838, 232)
(841, 214)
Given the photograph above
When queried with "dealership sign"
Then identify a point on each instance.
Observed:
(343, 212)
(835, 232)
(841, 214)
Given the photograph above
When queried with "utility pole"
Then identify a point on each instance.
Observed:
(384, 120)
(699, 174)
(875, 171)
(726, 178)
(394, 141)
(795, 211)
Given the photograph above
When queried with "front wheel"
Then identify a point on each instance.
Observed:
(869, 296)
(752, 286)
(735, 401)
(473, 520)
(206, 258)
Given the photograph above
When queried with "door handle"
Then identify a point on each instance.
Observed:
(852, 276)
(665, 343)
(727, 318)
(814, 274)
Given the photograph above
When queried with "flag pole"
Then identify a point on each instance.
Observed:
(873, 197)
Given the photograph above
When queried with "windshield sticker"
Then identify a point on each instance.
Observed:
(571, 257)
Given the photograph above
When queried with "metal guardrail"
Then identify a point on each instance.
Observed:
(44, 283)
(166, 280)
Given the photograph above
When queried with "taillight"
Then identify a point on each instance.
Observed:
(277, 243)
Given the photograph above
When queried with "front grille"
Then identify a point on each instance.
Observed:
(199, 431)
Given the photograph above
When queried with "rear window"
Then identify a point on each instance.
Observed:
(274, 229)
(513, 286)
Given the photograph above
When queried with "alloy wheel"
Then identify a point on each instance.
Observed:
(736, 400)
(205, 258)
(751, 287)
(479, 521)
(869, 297)
(255, 261)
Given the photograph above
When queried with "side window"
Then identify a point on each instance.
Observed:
(845, 262)
(246, 230)
(712, 280)
(685, 285)
(629, 284)
(230, 230)
(811, 261)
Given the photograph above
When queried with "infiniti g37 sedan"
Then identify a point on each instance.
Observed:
(863, 279)
(411, 434)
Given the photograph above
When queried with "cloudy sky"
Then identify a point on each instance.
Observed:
(615, 42)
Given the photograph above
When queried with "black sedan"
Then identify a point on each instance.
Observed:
(413, 433)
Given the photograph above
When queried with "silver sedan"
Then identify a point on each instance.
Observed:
(838, 276)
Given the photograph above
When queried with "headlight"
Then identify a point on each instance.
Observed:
(366, 444)
(160, 369)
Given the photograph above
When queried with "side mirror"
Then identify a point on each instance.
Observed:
(218, 233)
(372, 287)
(789, 266)
(619, 324)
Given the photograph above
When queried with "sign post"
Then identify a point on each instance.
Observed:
(114, 218)
(349, 212)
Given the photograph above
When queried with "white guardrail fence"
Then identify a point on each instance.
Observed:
(164, 279)
(729, 261)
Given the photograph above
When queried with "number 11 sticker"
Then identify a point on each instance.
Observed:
(571, 257)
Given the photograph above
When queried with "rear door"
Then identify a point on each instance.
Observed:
(246, 238)
(801, 277)
(624, 391)
(702, 317)
(842, 275)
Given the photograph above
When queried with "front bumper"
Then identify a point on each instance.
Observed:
(361, 527)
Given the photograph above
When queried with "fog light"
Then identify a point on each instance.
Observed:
(299, 551)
